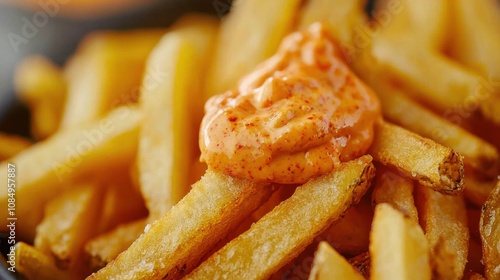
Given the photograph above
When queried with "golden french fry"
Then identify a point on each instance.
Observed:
(444, 220)
(398, 247)
(49, 166)
(167, 138)
(328, 264)
(41, 85)
(433, 165)
(395, 190)
(489, 228)
(351, 235)
(362, 264)
(33, 264)
(105, 72)
(284, 232)
(11, 145)
(68, 224)
(173, 245)
(427, 76)
(104, 248)
(401, 110)
(261, 38)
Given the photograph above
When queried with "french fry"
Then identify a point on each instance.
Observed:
(362, 264)
(284, 232)
(173, 245)
(41, 85)
(11, 145)
(350, 236)
(489, 228)
(395, 190)
(328, 264)
(262, 38)
(104, 248)
(67, 225)
(427, 76)
(33, 264)
(49, 166)
(167, 134)
(398, 247)
(103, 74)
(433, 165)
(444, 220)
(401, 110)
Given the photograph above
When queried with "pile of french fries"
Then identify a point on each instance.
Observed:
(112, 187)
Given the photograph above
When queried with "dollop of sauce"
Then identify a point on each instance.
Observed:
(297, 116)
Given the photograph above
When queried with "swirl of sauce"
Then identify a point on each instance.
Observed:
(297, 116)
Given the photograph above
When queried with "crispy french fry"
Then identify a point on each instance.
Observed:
(41, 85)
(284, 232)
(104, 248)
(68, 224)
(342, 17)
(262, 37)
(398, 247)
(395, 190)
(362, 264)
(328, 264)
(11, 145)
(350, 235)
(103, 74)
(173, 245)
(401, 110)
(489, 228)
(444, 220)
(427, 76)
(49, 166)
(167, 134)
(433, 165)
(33, 264)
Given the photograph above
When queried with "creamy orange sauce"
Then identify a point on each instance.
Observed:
(297, 116)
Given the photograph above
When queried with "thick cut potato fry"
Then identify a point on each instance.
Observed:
(261, 25)
(167, 138)
(433, 165)
(33, 264)
(104, 74)
(49, 166)
(342, 17)
(426, 20)
(41, 85)
(104, 248)
(11, 145)
(444, 220)
(328, 264)
(284, 232)
(401, 110)
(68, 224)
(428, 76)
(173, 245)
(398, 247)
(489, 228)
(395, 190)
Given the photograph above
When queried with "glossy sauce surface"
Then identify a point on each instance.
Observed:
(297, 116)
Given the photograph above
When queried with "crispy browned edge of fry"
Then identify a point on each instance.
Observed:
(448, 176)
(362, 182)
(490, 224)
